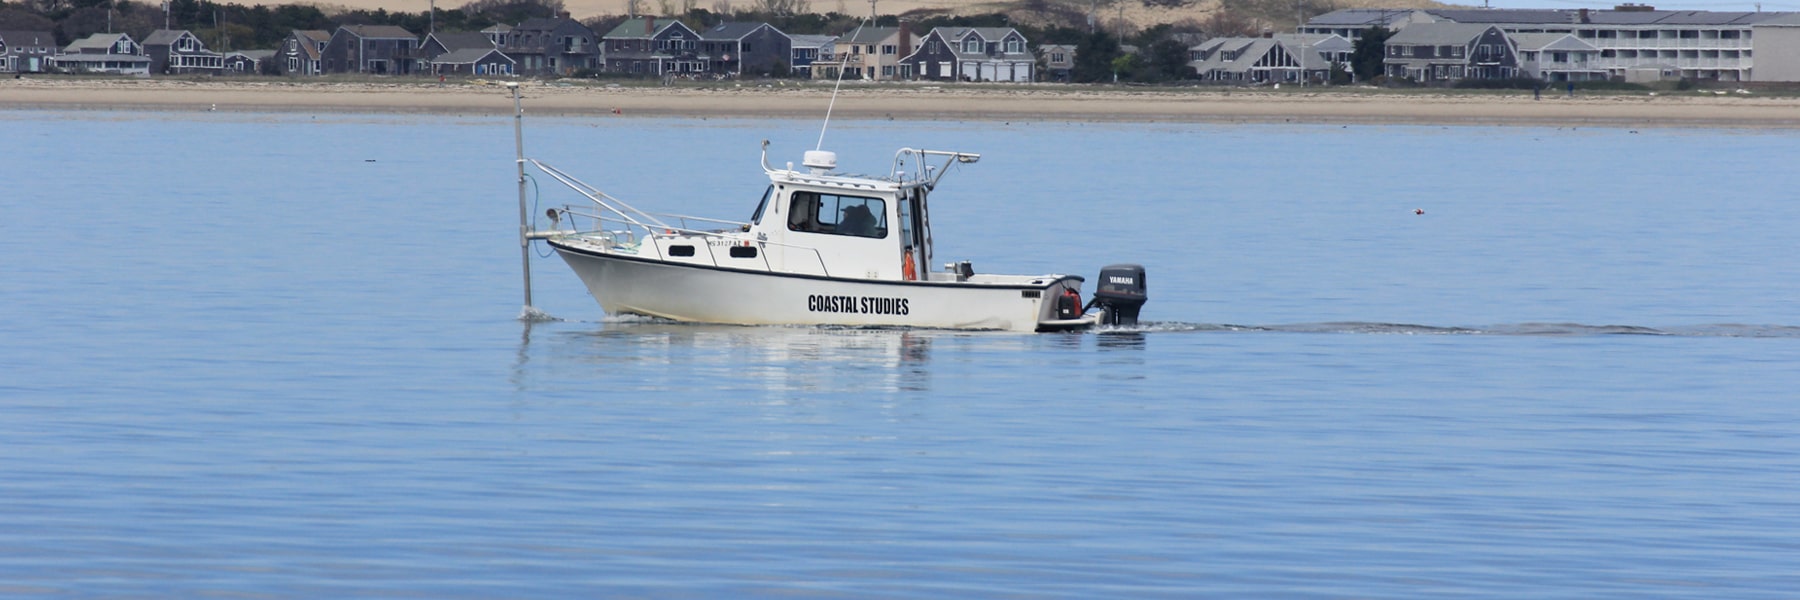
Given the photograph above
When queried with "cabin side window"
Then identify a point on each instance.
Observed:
(814, 212)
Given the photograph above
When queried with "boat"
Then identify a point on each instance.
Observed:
(822, 248)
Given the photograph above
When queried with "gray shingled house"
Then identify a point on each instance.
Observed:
(370, 49)
(971, 54)
(1447, 52)
(302, 53)
(249, 62)
(439, 43)
(735, 49)
(26, 51)
(104, 53)
(558, 46)
(178, 52)
(653, 46)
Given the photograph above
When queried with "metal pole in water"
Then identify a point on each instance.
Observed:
(524, 226)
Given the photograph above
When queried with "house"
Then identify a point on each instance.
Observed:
(1448, 52)
(249, 62)
(473, 61)
(1632, 38)
(113, 53)
(302, 53)
(371, 50)
(1269, 59)
(653, 46)
(178, 52)
(1059, 61)
(807, 49)
(972, 54)
(26, 51)
(438, 43)
(871, 53)
(1557, 57)
(559, 46)
(735, 49)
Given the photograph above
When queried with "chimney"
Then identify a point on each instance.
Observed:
(564, 15)
(649, 25)
(1584, 16)
(905, 38)
(1268, 33)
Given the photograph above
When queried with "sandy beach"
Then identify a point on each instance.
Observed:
(914, 101)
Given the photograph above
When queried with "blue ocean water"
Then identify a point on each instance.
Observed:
(278, 356)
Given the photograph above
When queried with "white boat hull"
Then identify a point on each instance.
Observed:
(628, 284)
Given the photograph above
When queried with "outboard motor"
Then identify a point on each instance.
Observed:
(1120, 293)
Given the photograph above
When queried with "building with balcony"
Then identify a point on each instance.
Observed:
(1630, 38)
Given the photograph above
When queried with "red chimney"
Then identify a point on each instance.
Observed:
(649, 25)
(905, 39)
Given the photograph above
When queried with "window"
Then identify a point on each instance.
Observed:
(887, 70)
(815, 212)
(1014, 46)
(972, 45)
(1057, 57)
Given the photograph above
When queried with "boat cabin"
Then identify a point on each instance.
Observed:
(827, 224)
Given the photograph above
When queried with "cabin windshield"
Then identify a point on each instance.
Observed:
(761, 206)
(859, 216)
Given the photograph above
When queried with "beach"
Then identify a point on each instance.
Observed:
(917, 101)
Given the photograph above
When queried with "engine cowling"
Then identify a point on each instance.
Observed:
(1120, 293)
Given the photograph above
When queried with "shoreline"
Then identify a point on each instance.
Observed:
(953, 102)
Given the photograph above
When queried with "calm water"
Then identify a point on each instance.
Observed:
(278, 356)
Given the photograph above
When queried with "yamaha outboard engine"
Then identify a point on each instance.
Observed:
(1120, 293)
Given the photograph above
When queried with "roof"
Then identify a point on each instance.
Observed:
(28, 38)
(733, 30)
(811, 41)
(1538, 42)
(164, 37)
(868, 35)
(1307, 47)
(1428, 34)
(379, 32)
(463, 40)
(635, 28)
(316, 35)
(497, 28)
(253, 54)
(1360, 18)
(1563, 16)
(953, 35)
(469, 56)
(98, 41)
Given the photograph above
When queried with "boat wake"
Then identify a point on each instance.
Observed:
(532, 315)
(1730, 330)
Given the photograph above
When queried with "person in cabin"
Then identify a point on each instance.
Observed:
(857, 221)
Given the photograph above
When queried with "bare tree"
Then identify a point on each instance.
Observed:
(783, 7)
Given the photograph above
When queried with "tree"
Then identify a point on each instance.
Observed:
(1166, 60)
(1366, 59)
(1094, 56)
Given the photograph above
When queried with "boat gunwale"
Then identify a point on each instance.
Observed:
(1051, 280)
